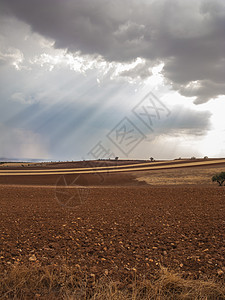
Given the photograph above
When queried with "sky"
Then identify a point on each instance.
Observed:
(96, 79)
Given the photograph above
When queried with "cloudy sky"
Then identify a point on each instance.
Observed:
(100, 78)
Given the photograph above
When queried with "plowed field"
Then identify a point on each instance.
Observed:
(113, 225)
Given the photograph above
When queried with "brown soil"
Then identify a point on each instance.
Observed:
(113, 225)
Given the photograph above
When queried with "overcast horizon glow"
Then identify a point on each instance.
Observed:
(72, 70)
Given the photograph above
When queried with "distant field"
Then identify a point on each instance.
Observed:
(116, 168)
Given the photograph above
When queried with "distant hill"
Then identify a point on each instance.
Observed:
(6, 159)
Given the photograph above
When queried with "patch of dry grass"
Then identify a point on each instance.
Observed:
(195, 175)
(52, 282)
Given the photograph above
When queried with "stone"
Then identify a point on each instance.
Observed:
(32, 258)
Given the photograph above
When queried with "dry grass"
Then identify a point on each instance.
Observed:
(196, 175)
(64, 282)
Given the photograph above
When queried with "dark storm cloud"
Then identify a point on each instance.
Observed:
(182, 121)
(186, 121)
(187, 36)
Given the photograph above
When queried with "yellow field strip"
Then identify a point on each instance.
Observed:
(90, 169)
(98, 170)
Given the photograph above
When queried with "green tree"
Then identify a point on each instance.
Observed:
(220, 178)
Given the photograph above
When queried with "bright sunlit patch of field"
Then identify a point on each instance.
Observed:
(181, 176)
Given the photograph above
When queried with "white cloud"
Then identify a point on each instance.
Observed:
(12, 56)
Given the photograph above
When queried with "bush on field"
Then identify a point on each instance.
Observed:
(220, 178)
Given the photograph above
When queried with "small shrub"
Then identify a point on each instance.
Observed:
(220, 178)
